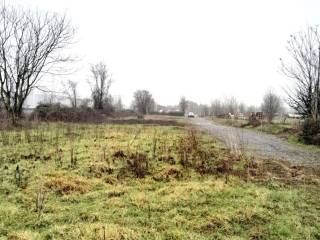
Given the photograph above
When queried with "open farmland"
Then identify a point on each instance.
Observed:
(164, 120)
(81, 181)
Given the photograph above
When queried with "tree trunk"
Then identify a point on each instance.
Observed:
(15, 116)
(316, 92)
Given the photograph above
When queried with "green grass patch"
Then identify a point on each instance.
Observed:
(79, 181)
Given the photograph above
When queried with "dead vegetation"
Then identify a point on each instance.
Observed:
(208, 160)
(138, 163)
(275, 170)
(65, 184)
(41, 198)
(119, 154)
(100, 169)
(169, 173)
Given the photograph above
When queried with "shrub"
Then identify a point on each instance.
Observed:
(139, 164)
(56, 112)
(253, 121)
(176, 114)
(208, 159)
(310, 132)
(171, 113)
(187, 147)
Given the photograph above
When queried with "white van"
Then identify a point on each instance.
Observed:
(191, 115)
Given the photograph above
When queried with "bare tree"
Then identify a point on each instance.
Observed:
(108, 104)
(100, 85)
(30, 46)
(231, 105)
(203, 110)
(50, 98)
(72, 93)
(304, 68)
(143, 101)
(216, 108)
(252, 109)
(1, 105)
(271, 105)
(242, 108)
(118, 106)
(193, 107)
(183, 104)
(85, 103)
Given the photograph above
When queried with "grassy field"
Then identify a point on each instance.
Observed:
(71, 181)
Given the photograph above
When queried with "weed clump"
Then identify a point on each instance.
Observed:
(65, 185)
(21, 177)
(119, 154)
(168, 159)
(170, 172)
(110, 180)
(100, 169)
(138, 164)
(40, 200)
(207, 159)
(113, 194)
(187, 146)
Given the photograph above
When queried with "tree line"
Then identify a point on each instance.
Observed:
(32, 45)
(271, 105)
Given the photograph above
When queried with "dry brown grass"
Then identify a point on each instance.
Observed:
(65, 184)
(23, 235)
(266, 170)
(100, 169)
(169, 173)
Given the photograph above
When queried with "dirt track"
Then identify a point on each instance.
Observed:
(261, 144)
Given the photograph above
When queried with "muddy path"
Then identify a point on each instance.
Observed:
(258, 143)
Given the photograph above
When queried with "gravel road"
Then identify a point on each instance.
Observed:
(259, 143)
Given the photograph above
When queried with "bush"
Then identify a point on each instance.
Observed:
(56, 112)
(205, 160)
(253, 121)
(138, 164)
(171, 113)
(310, 132)
(176, 114)
(43, 110)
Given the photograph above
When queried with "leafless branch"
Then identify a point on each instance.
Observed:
(30, 47)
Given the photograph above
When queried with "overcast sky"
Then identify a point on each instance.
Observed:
(200, 49)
